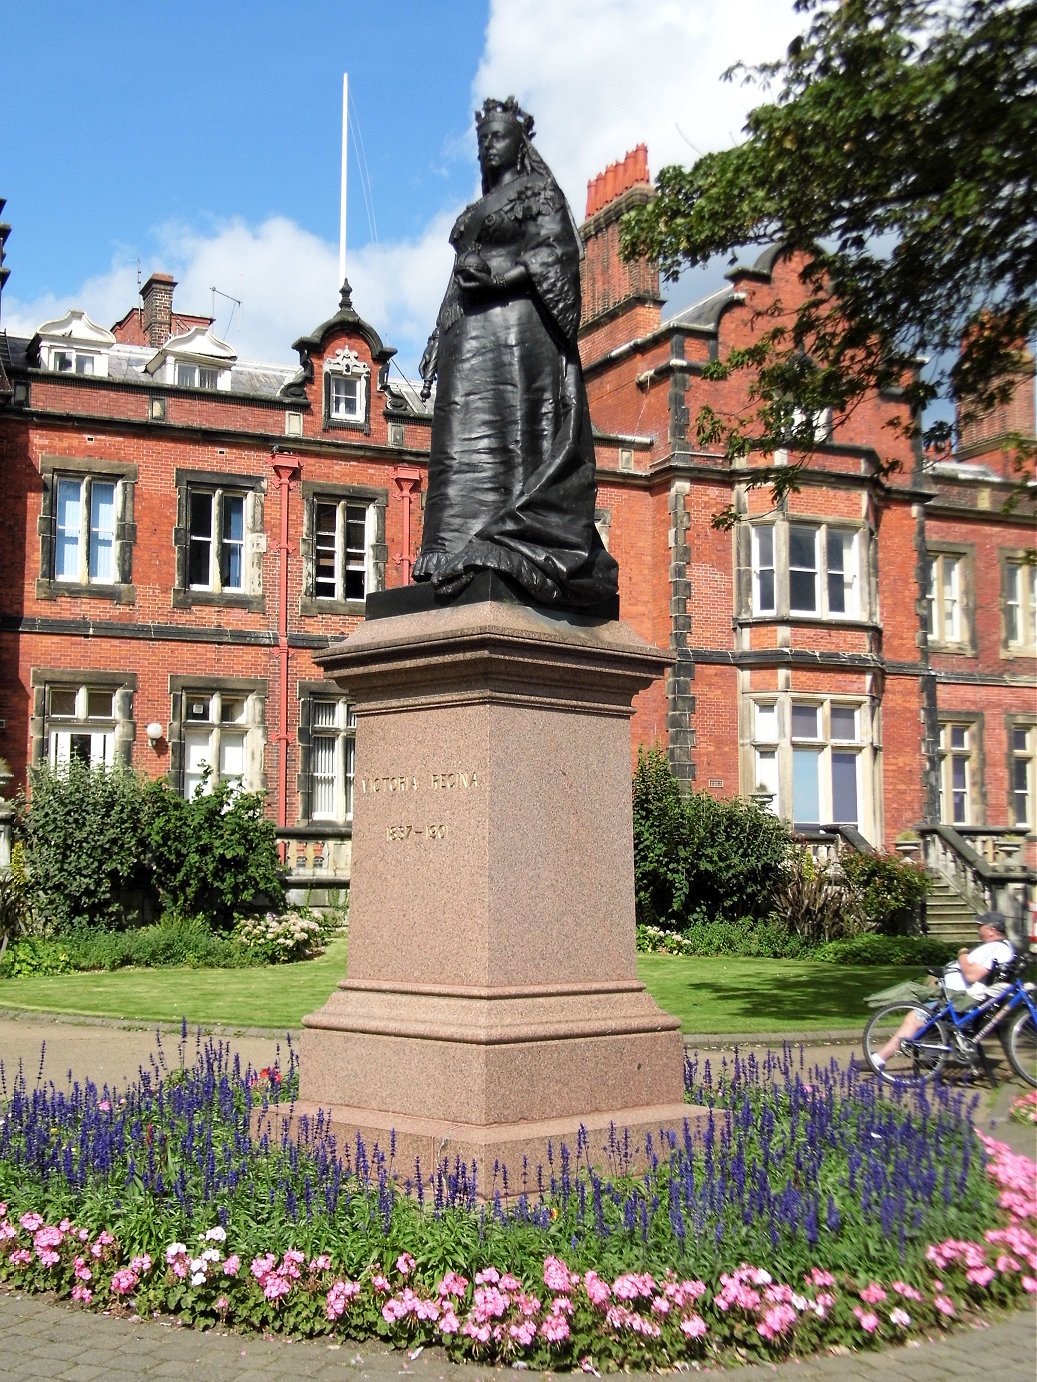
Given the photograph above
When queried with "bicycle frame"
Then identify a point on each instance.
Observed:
(994, 1009)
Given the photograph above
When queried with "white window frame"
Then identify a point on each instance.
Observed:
(76, 726)
(959, 757)
(342, 571)
(188, 374)
(780, 750)
(216, 549)
(85, 540)
(1020, 605)
(837, 587)
(331, 763)
(946, 620)
(1022, 781)
(70, 360)
(344, 404)
(218, 733)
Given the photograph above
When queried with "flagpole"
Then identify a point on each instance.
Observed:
(342, 208)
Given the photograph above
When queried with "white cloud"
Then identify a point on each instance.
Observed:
(600, 76)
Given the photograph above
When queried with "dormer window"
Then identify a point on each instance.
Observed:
(72, 344)
(346, 379)
(195, 360)
(72, 362)
(190, 376)
(344, 398)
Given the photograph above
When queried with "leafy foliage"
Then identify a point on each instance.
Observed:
(700, 855)
(870, 949)
(888, 890)
(813, 901)
(897, 154)
(170, 943)
(214, 856)
(744, 939)
(102, 846)
(85, 847)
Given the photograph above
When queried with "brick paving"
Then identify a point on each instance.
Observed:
(41, 1337)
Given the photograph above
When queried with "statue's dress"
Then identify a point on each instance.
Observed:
(511, 472)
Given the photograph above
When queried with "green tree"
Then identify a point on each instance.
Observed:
(897, 154)
(85, 848)
(698, 855)
(214, 856)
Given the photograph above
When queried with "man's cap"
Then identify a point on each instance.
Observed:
(993, 919)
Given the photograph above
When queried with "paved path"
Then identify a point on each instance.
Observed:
(43, 1338)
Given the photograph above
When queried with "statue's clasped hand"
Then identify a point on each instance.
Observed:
(474, 275)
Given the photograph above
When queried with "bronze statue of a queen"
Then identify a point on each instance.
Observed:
(511, 474)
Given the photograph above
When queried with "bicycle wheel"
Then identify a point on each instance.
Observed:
(916, 1059)
(1021, 1046)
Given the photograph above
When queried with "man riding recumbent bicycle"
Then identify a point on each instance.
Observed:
(918, 1029)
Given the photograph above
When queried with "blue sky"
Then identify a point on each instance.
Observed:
(203, 140)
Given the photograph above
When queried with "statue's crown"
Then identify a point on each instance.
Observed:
(505, 110)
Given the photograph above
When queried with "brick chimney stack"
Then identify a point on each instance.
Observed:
(986, 438)
(157, 311)
(620, 299)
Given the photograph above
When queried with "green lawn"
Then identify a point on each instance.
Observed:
(708, 995)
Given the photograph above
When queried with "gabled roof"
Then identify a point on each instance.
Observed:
(346, 321)
(198, 344)
(74, 326)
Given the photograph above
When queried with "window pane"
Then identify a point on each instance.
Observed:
(325, 523)
(349, 755)
(100, 705)
(767, 774)
(232, 754)
(199, 559)
(102, 531)
(959, 736)
(232, 710)
(196, 758)
(803, 547)
(232, 547)
(844, 788)
(198, 708)
(84, 364)
(806, 797)
(844, 723)
(186, 375)
(208, 378)
(68, 513)
(323, 773)
(763, 570)
(805, 721)
(323, 714)
(767, 723)
(63, 701)
(841, 560)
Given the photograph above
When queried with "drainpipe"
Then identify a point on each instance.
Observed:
(287, 472)
(408, 481)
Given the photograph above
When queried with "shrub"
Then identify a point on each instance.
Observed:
(885, 950)
(280, 939)
(213, 856)
(889, 891)
(85, 847)
(35, 956)
(661, 867)
(813, 901)
(173, 941)
(700, 854)
(745, 939)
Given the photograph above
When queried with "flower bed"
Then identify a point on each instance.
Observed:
(158, 1199)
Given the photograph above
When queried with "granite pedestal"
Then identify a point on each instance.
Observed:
(491, 1004)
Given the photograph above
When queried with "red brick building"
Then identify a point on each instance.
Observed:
(186, 530)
